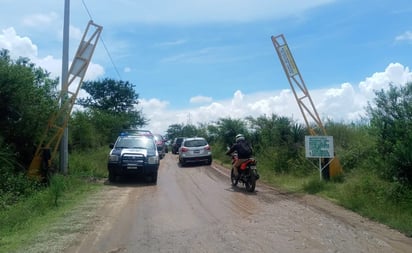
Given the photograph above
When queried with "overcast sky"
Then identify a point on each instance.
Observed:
(197, 61)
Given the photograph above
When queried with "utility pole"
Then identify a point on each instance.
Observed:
(64, 80)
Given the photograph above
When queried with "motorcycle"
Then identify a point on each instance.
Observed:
(247, 173)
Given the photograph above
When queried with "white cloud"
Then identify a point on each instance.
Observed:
(203, 55)
(273, 102)
(53, 65)
(405, 36)
(213, 111)
(24, 47)
(345, 103)
(170, 43)
(200, 100)
(340, 104)
(157, 105)
(75, 36)
(40, 20)
(94, 71)
(17, 45)
(75, 33)
(156, 112)
(395, 73)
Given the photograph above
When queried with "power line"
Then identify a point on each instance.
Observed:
(87, 10)
(104, 44)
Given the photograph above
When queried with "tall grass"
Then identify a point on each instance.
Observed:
(387, 202)
(35, 210)
(90, 164)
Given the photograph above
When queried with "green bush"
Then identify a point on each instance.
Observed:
(314, 185)
(14, 185)
(398, 193)
(301, 167)
(391, 125)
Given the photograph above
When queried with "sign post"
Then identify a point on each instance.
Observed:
(320, 147)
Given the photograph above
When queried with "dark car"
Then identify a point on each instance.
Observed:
(176, 144)
(133, 155)
(160, 144)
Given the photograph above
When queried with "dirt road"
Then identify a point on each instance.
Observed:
(195, 209)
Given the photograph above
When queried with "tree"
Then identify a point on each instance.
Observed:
(391, 120)
(28, 96)
(180, 130)
(83, 133)
(275, 131)
(276, 141)
(190, 131)
(228, 129)
(110, 95)
(174, 130)
(111, 107)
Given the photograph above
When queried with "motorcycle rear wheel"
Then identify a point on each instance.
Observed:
(233, 178)
(250, 184)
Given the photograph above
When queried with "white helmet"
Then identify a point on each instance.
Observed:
(240, 137)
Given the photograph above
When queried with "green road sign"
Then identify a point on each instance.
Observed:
(319, 146)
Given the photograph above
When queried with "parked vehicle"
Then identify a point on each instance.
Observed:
(133, 154)
(160, 144)
(247, 173)
(137, 132)
(166, 147)
(195, 150)
(176, 144)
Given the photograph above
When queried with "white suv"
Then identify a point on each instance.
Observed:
(194, 150)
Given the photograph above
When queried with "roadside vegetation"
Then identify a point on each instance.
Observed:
(375, 153)
(25, 218)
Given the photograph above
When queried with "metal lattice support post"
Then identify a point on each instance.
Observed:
(303, 98)
(71, 86)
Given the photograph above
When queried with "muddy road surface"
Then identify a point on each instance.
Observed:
(195, 209)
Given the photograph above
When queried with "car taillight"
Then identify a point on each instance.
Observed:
(207, 147)
(183, 149)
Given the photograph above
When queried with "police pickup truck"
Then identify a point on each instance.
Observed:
(133, 154)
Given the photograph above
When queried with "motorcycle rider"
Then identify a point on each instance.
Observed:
(243, 149)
